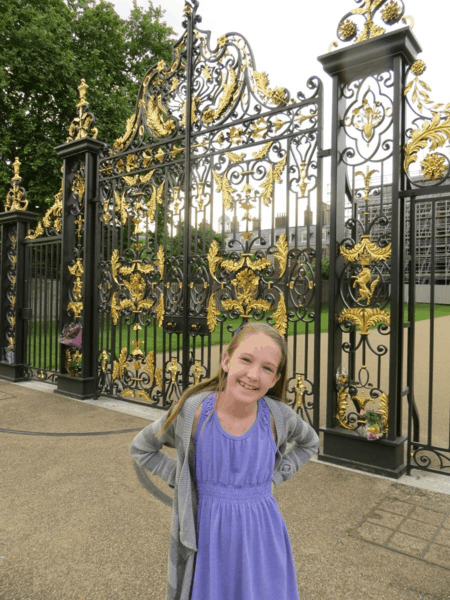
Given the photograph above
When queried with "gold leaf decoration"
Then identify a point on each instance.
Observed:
(115, 309)
(119, 365)
(160, 261)
(435, 132)
(131, 127)
(235, 158)
(229, 90)
(366, 251)
(155, 120)
(232, 265)
(160, 310)
(280, 316)
(159, 377)
(264, 150)
(213, 313)
(146, 178)
(76, 308)
(127, 393)
(143, 394)
(150, 365)
(383, 408)
(277, 95)
(365, 318)
(342, 407)
(273, 176)
(224, 186)
(281, 255)
(121, 207)
(213, 259)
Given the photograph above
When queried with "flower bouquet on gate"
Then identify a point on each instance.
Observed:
(373, 424)
(71, 335)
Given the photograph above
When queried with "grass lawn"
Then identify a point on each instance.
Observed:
(43, 341)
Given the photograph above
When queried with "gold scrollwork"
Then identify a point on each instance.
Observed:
(365, 318)
(160, 310)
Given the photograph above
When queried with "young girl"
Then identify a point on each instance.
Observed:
(229, 540)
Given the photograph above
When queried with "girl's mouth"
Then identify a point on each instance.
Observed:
(247, 387)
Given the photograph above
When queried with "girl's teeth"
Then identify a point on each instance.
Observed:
(247, 387)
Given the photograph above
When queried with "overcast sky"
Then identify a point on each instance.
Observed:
(287, 36)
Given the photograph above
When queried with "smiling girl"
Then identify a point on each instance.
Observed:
(229, 540)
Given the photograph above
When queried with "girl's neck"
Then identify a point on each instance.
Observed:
(233, 408)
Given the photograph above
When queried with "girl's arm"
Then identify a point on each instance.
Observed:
(305, 443)
(146, 450)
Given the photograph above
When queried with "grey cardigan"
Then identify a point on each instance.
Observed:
(178, 473)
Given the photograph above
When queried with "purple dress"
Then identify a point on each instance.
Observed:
(244, 552)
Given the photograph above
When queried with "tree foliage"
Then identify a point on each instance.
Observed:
(47, 47)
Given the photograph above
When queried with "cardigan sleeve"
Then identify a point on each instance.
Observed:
(146, 450)
(305, 443)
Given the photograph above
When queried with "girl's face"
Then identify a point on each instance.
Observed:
(252, 369)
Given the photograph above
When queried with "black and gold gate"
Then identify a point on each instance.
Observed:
(205, 220)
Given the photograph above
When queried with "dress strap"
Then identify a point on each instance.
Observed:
(265, 414)
(208, 405)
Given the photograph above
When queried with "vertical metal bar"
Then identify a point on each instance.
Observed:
(412, 325)
(397, 261)
(187, 199)
(432, 315)
(337, 214)
(45, 366)
(319, 257)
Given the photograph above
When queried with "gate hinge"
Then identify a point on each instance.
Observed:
(324, 153)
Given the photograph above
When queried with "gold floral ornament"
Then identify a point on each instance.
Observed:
(366, 118)
(366, 251)
(246, 286)
(83, 124)
(434, 166)
(16, 198)
(347, 30)
(391, 13)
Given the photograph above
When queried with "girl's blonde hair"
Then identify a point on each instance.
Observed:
(219, 381)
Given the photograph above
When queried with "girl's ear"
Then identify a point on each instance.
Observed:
(225, 362)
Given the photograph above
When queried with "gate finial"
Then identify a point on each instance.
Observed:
(83, 124)
(389, 12)
(16, 198)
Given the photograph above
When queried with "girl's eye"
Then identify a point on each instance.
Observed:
(269, 369)
(246, 359)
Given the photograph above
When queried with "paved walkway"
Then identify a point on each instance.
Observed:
(78, 523)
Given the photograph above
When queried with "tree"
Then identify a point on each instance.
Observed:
(48, 46)
(201, 239)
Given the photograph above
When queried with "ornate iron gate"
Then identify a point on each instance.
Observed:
(205, 221)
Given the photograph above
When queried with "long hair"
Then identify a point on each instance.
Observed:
(218, 383)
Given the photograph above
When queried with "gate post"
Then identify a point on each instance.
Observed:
(78, 264)
(14, 223)
(351, 67)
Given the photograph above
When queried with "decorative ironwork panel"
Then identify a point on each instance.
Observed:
(211, 215)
